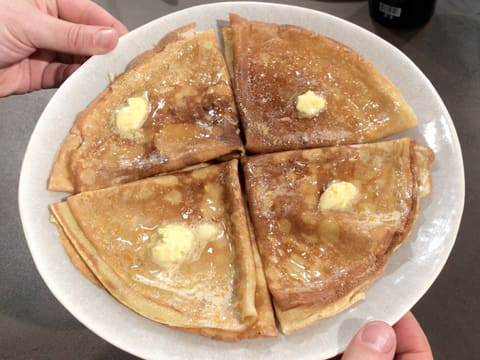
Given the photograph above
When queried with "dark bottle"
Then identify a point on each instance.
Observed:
(401, 13)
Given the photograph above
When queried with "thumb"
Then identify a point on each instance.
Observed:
(374, 341)
(51, 33)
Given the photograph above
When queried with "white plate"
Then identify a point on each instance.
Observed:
(410, 273)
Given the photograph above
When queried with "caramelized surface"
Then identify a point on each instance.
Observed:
(318, 257)
(192, 118)
(273, 64)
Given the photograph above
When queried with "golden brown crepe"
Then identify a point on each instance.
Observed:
(184, 98)
(274, 64)
(176, 249)
(318, 259)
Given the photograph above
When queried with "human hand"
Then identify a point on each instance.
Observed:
(42, 42)
(379, 341)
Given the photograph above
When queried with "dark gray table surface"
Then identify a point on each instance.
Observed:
(33, 324)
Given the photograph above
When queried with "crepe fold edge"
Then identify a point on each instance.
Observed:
(265, 323)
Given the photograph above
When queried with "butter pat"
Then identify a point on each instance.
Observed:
(173, 244)
(130, 117)
(339, 195)
(310, 104)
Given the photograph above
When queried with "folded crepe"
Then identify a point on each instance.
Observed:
(172, 108)
(176, 249)
(297, 89)
(327, 221)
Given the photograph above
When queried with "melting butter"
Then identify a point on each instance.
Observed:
(339, 195)
(172, 245)
(175, 244)
(130, 117)
(310, 104)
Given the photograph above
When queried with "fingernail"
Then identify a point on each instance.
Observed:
(104, 38)
(379, 337)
